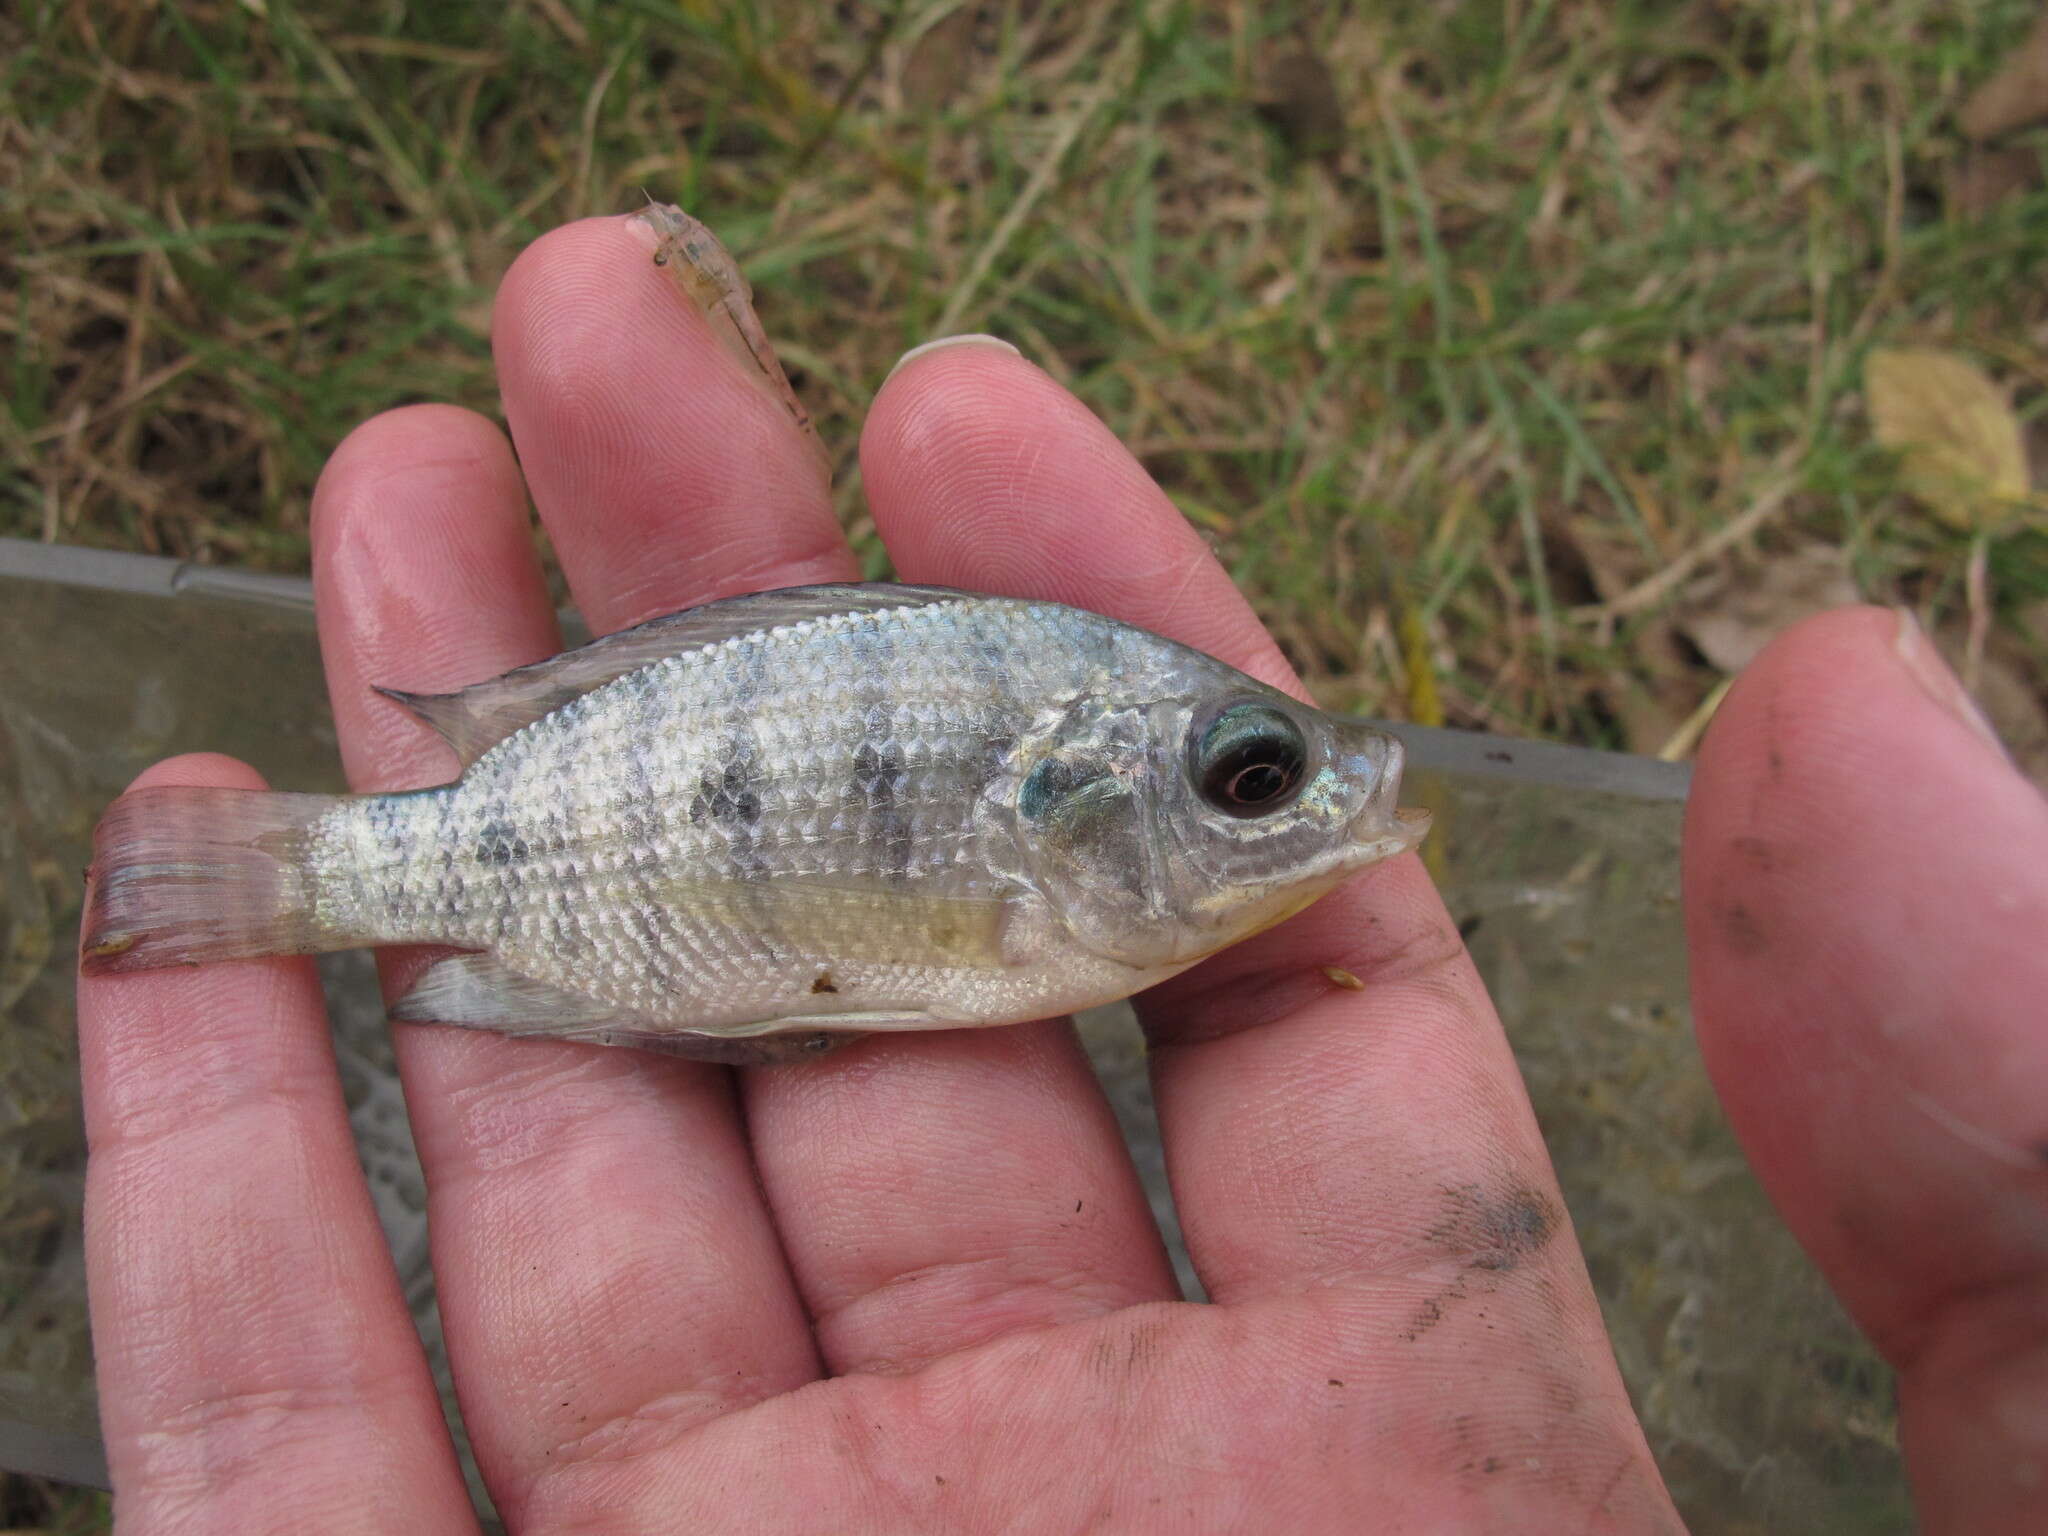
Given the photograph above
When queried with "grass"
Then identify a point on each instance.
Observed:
(30, 1506)
(1451, 325)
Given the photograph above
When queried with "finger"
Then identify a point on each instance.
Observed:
(666, 475)
(937, 1192)
(1866, 887)
(930, 1192)
(253, 1348)
(606, 1273)
(1314, 1136)
(1045, 501)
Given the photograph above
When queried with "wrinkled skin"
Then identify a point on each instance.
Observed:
(914, 1286)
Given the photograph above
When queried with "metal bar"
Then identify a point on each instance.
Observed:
(52, 1453)
(1466, 752)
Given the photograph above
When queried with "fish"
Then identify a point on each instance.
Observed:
(756, 829)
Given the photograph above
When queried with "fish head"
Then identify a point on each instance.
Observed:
(1163, 822)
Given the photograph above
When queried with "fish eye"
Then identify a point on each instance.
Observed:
(1250, 760)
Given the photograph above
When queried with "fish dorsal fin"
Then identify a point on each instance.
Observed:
(472, 720)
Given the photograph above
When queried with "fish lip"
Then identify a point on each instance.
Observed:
(1410, 826)
(1381, 837)
(1384, 827)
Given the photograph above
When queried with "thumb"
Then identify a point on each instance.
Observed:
(1866, 891)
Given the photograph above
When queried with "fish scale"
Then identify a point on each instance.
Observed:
(636, 777)
(825, 809)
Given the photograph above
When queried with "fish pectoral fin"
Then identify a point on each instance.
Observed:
(472, 720)
(477, 991)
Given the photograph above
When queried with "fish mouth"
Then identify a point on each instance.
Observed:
(1384, 827)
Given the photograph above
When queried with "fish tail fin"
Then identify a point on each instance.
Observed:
(182, 874)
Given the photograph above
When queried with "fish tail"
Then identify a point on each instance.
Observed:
(182, 874)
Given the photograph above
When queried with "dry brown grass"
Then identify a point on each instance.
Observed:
(1471, 334)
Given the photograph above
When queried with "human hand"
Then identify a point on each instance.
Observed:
(915, 1285)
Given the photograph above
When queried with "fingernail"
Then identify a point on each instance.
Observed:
(971, 339)
(1926, 667)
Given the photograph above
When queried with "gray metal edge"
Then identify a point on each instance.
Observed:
(1468, 752)
(53, 1453)
(113, 570)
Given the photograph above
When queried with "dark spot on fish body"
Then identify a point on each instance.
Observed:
(499, 843)
(880, 778)
(728, 795)
(823, 984)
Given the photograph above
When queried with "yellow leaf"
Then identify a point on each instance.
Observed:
(1425, 705)
(1956, 436)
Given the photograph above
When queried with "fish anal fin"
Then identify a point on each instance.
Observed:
(472, 720)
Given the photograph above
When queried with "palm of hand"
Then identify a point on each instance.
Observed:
(914, 1285)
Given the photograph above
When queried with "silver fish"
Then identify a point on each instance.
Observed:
(754, 829)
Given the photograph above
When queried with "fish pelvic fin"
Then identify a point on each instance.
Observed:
(183, 875)
(477, 991)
